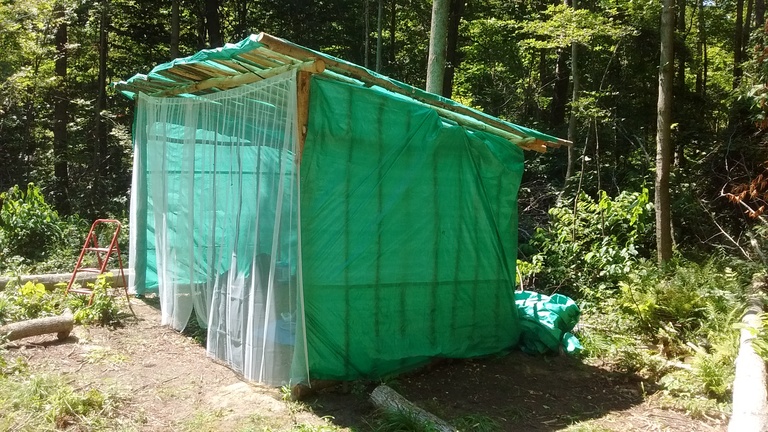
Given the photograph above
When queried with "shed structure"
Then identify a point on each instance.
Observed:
(322, 221)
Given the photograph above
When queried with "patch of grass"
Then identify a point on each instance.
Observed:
(104, 355)
(587, 427)
(202, 421)
(477, 423)
(44, 402)
(402, 421)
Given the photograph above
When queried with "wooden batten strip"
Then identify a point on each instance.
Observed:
(357, 72)
(179, 74)
(196, 73)
(222, 83)
(232, 65)
(178, 79)
(261, 61)
(215, 71)
(275, 56)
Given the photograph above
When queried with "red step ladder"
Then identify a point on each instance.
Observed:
(102, 257)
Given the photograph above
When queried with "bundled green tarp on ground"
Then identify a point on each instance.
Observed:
(547, 323)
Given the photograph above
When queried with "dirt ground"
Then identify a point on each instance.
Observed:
(163, 381)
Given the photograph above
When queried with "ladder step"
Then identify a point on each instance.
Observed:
(97, 249)
(88, 270)
(81, 291)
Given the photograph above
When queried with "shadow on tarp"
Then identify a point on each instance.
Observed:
(518, 391)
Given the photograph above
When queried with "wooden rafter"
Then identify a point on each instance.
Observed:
(221, 83)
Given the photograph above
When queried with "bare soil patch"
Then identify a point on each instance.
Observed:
(165, 382)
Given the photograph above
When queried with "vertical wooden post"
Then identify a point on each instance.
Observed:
(302, 109)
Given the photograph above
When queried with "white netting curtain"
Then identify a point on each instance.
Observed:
(222, 216)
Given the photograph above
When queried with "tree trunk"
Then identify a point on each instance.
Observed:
(101, 153)
(737, 43)
(663, 133)
(200, 5)
(574, 99)
(759, 13)
(392, 31)
(700, 43)
(61, 117)
(560, 95)
(379, 42)
(213, 23)
(681, 54)
(437, 40)
(175, 29)
(367, 32)
(452, 58)
(242, 19)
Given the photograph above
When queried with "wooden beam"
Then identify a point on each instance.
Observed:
(280, 46)
(302, 108)
(222, 83)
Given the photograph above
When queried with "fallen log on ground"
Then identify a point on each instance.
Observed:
(51, 280)
(388, 400)
(62, 325)
(750, 397)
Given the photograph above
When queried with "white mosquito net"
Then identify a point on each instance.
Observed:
(215, 222)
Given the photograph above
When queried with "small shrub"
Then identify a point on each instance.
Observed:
(102, 311)
(29, 227)
(596, 247)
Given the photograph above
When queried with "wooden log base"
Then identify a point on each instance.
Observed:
(388, 400)
(61, 325)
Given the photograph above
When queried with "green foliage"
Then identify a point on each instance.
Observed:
(103, 310)
(596, 248)
(29, 227)
(561, 25)
(476, 423)
(44, 402)
(403, 421)
(28, 301)
(31, 300)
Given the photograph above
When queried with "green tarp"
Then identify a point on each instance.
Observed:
(409, 235)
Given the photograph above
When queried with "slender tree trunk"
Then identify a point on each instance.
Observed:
(702, 40)
(747, 28)
(213, 23)
(367, 32)
(681, 54)
(663, 133)
(737, 43)
(379, 41)
(242, 19)
(560, 95)
(437, 40)
(101, 153)
(392, 31)
(61, 116)
(175, 29)
(759, 13)
(677, 148)
(575, 77)
(452, 57)
(200, 5)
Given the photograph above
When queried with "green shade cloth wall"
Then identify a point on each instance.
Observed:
(409, 235)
